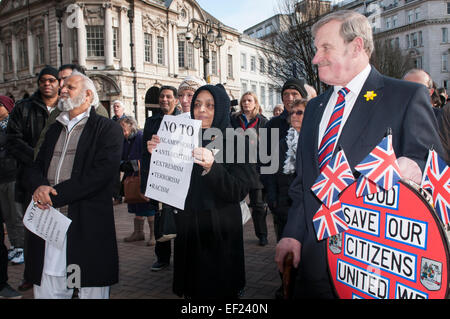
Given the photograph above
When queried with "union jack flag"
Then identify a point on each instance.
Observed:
(365, 187)
(329, 222)
(335, 177)
(436, 180)
(381, 166)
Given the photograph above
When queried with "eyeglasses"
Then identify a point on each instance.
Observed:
(299, 112)
(44, 81)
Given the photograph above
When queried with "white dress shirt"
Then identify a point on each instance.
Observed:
(355, 86)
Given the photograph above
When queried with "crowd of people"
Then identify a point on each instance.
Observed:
(59, 147)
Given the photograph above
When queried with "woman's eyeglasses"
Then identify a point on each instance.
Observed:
(299, 112)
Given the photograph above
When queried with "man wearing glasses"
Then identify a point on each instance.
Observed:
(25, 124)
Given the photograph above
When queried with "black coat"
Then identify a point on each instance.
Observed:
(26, 121)
(91, 238)
(8, 164)
(278, 184)
(209, 248)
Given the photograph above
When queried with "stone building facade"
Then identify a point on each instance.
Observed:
(419, 27)
(126, 47)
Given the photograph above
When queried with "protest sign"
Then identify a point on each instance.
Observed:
(395, 247)
(49, 224)
(172, 161)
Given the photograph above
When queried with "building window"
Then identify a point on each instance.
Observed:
(262, 95)
(160, 43)
(243, 87)
(420, 39)
(388, 23)
(95, 40)
(214, 62)
(262, 66)
(40, 57)
(259, 33)
(417, 14)
(8, 57)
(254, 88)
(115, 42)
(23, 54)
(409, 18)
(445, 84)
(394, 21)
(74, 48)
(181, 54)
(414, 39)
(448, 7)
(190, 55)
(271, 96)
(243, 61)
(408, 41)
(444, 35)
(230, 65)
(418, 62)
(270, 67)
(148, 47)
(444, 62)
(253, 64)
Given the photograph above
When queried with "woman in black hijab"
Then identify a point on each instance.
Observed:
(209, 248)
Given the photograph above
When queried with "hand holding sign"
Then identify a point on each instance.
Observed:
(41, 196)
(151, 145)
(203, 157)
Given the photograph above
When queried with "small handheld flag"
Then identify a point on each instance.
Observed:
(436, 180)
(381, 166)
(334, 178)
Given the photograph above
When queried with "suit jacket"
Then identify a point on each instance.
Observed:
(402, 106)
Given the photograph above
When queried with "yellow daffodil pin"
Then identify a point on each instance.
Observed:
(370, 95)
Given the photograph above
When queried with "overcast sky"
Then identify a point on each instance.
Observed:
(240, 14)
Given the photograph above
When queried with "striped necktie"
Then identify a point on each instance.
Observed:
(329, 137)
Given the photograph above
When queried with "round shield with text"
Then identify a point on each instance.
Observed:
(395, 247)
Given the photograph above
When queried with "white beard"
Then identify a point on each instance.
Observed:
(69, 104)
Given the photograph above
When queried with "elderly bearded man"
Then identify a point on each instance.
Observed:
(72, 173)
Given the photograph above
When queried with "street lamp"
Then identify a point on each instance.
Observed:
(203, 39)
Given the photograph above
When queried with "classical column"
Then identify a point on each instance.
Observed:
(109, 54)
(175, 49)
(81, 35)
(2, 60)
(14, 54)
(169, 48)
(30, 51)
(124, 39)
(46, 39)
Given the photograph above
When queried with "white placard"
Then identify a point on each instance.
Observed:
(172, 161)
(48, 224)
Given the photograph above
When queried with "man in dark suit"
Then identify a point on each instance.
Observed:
(372, 104)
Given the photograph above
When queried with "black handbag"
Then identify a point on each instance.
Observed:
(166, 228)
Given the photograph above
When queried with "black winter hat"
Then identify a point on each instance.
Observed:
(221, 105)
(295, 84)
(48, 70)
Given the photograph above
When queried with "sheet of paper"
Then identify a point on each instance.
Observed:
(48, 224)
(171, 163)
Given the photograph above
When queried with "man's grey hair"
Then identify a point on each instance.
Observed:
(131, 122)
(415, 71)
(118, 102)
(88, 85)
(353, 25)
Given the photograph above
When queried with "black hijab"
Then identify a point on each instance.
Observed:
(221, 105)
